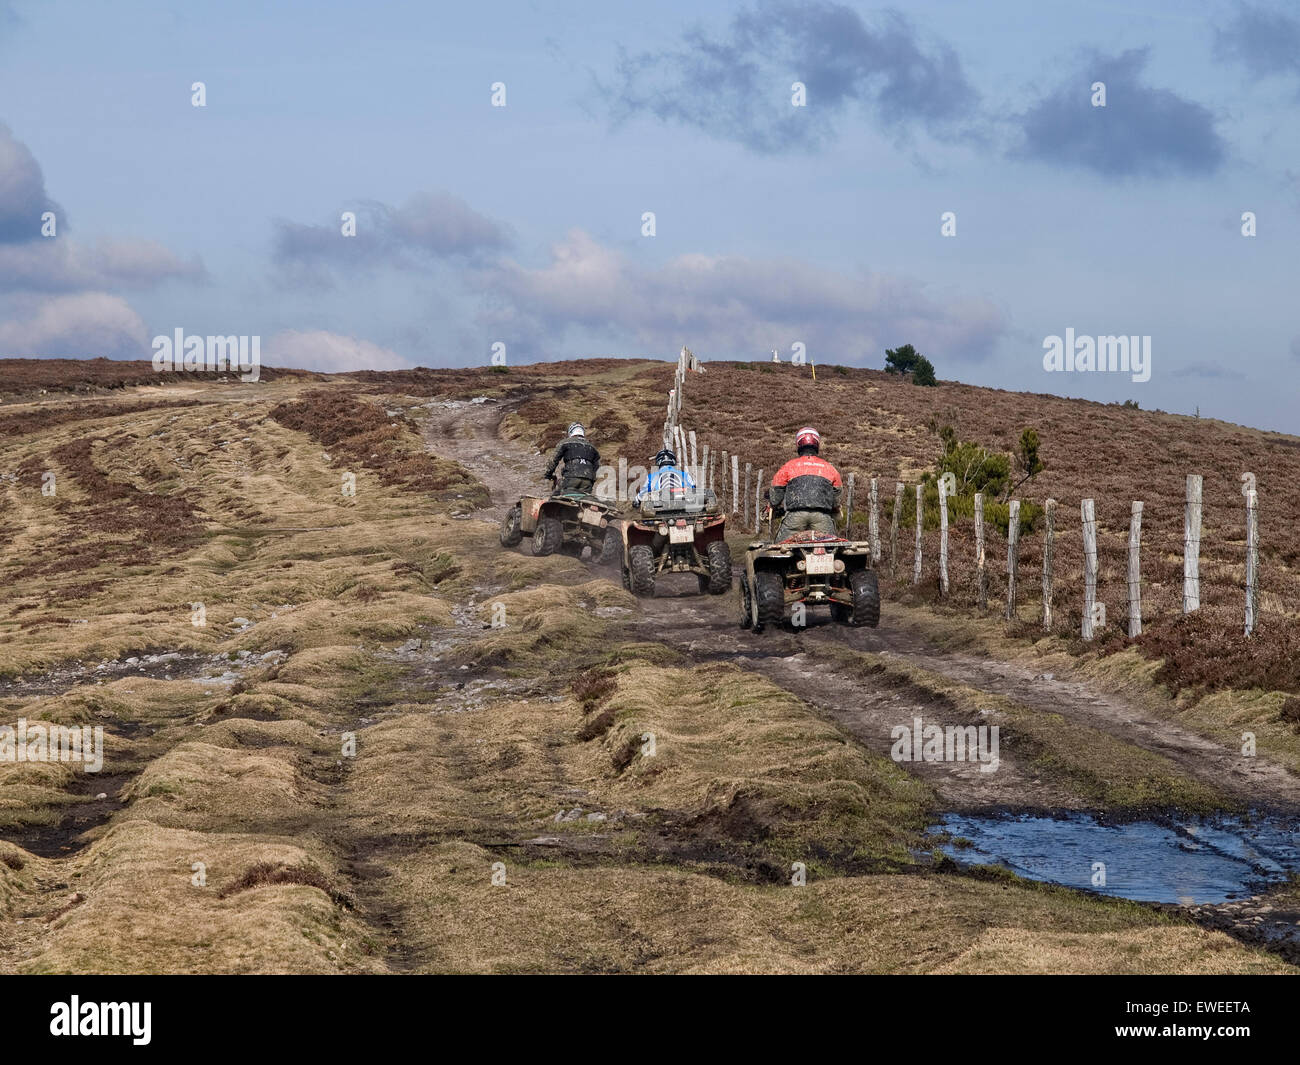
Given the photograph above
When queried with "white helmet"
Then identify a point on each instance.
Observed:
(576, 429)
(807, 437)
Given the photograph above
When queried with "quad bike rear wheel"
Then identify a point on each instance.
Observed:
(548, 536)
(719, 559)
(641, 566)
(866, 598)
(511, 530)
(769, 590)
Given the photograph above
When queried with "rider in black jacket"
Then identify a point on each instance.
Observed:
(581, 461)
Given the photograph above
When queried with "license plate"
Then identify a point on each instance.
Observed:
(681, 536)
(820, 564)
(591, 517)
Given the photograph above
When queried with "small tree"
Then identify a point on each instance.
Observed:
(976, 468)
(901, 360)
(907, 360)
(1028, 464)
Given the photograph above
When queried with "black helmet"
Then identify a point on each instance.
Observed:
(664, 458)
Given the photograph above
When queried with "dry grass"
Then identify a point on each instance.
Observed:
(320, 861)
(618, 919)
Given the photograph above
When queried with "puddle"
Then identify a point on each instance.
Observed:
(1190, 861)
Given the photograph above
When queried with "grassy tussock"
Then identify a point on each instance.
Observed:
(612, 919)
(141, 869)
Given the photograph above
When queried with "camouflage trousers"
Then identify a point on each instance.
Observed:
(801, 520)
(577, 484)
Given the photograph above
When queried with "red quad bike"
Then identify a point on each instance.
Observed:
(810, 568)
(567, 523)
(679, 535)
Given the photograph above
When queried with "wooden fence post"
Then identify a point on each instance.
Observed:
(1135, 570)
(705, 478)
(1088, 510)
(981, 573)
(1013, 556)
(744, 503)
(1049, 547)
(893, 533)
(722, 483)
(873, 522)
(695, 458)
(758, 503)
(920, 520)
(1252, 555)
(735, 482)
(848, 509)
(1192, 545)
(943, 537)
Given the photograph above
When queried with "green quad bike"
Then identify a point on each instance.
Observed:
(813, 569)
(566, 522)
(676, 536)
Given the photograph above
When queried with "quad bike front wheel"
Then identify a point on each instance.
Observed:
(746, 605)
(512, 528)
(866, 598)
(769, 591)
(641, 567)
(548, 536)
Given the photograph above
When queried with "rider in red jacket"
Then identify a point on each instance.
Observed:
(808, 488)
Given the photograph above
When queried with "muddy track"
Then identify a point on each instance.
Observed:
(706, 629)
(798, 661)
(809, 664)
(468, 433)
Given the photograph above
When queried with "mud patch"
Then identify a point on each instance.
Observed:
(100, 799)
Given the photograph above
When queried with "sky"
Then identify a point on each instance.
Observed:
(797, 162)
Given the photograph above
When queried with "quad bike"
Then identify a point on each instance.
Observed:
(565, 522)
(676, 536)
(810, 568)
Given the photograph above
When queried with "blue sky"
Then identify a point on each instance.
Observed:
(774, 224)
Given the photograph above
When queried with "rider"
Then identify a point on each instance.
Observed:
(581, 461)
(667, 483)
(808, 488)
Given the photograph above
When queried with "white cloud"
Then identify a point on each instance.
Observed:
(60, 264)
(731, 306)
(87, 323)
(317, 349)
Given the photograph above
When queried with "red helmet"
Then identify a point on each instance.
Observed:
(807, 437)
